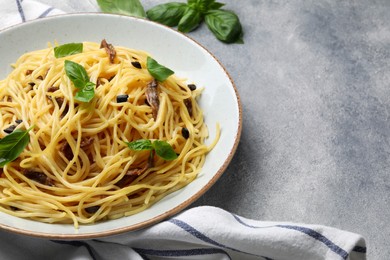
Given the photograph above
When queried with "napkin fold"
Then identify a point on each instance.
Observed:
(198, 233)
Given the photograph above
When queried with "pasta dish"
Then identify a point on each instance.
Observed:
(91, 132)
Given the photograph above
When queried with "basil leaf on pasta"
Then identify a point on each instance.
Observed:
(13, 145)
(78, 75)
(86, 93)
(140, 145)
(126, 7)
(68, 49)
(158, 71)
(164, 150)
(168, 14)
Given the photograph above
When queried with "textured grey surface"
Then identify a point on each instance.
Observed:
(314, 80)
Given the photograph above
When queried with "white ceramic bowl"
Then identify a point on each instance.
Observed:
(219, 101)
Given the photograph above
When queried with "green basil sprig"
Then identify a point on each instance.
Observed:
(158, 71)
(78, 75)
(162, 148)
(68, 49)
(126, 7)
(12, 145)
(186, 16)
(189, 16)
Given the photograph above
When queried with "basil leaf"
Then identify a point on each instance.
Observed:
(225, 25)
(158, 71)
(86, 93)
(126, 7)
(139, 145)
(164, 150)
(168, 14)
(78, 75)
(68, 49)
(190, 20)
(13, 145)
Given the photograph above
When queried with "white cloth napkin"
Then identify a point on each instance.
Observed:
(198, 233)
(17, 11)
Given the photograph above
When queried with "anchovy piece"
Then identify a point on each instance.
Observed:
(85, 142)
(52, 89)
(60, 101)
(131, 175)
(152, 97)
(99, 82)
(67, 150)
(109, 49)
(188, 104)
(38, 177)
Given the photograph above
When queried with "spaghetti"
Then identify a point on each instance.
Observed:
(77, 167)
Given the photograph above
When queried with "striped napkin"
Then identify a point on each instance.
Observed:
(198, 233)
(17, 11)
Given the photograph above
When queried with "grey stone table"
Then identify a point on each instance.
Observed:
(314, 79)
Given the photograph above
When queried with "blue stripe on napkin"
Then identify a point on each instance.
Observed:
(180, 253)
(312, 233)
(20, 9)
(321, 238)
(196, 233)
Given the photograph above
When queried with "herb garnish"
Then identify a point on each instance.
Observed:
(78, 75)
(12, 145)
(225, 25)
(158, 71)
(126, 7)
(162, 148)
(68, 49)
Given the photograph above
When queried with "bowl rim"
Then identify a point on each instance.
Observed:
(174, 210)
